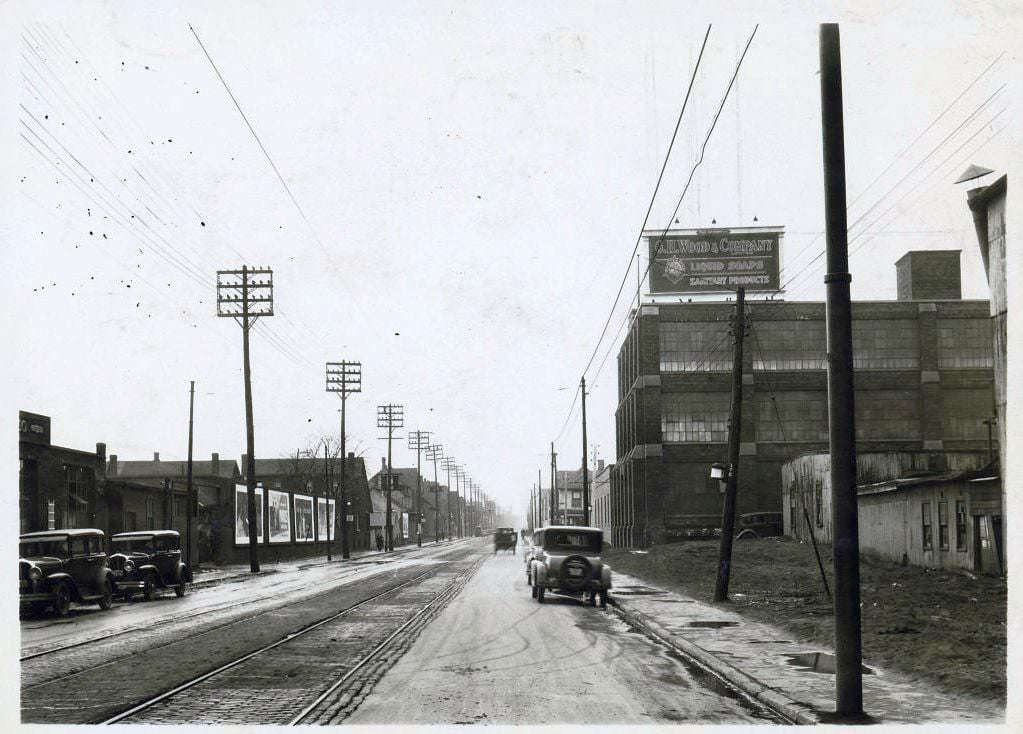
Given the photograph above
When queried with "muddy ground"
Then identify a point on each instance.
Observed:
(945, 627)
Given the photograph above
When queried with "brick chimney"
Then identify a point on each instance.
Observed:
(351, 454)
(929, 275)
(216, 463)
(112, 471)
(156, 456)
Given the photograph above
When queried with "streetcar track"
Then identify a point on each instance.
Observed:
(288, 638)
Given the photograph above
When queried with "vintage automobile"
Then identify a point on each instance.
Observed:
(58, 567)
(147, 560)
(758, 525)
(505, 539)
(567, 560)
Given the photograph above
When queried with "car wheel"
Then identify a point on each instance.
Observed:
(539, 593)
(180, 588)
(61, 600)
(107, 600)
(603, 598)
(746, 535)
(149, 588)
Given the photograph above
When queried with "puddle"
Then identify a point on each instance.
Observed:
(818, 662)
(712, 624)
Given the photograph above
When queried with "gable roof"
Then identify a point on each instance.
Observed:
(226, 469)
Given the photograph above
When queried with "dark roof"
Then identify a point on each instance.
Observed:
(985, 473)
(146, 534)
(73, 532)
(286, 466)
(226, 469)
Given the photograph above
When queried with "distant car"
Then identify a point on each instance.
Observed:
(58, 567)
(505, 539)
(144, 561)
(758, 525)
(479, 532)
(567, 560)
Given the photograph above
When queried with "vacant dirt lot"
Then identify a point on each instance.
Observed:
(946, 628)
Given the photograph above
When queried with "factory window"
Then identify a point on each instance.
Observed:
(789, 345)
(964, 343)
(925, 520)
(695, 418)
(888, 344)
(792, 416)
(960, 525)
(943, 525)
(695, 347)
(964, 412)
(77, 487)
(887, 414)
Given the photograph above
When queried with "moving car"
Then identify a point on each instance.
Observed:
(758, 525)
(147, 560)
(58, 567)
(567, 560)
(505, 539)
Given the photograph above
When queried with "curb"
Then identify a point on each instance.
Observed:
(779, 703)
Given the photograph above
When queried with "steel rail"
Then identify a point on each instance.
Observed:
(217, 671)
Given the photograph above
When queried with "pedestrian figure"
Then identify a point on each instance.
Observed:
(380, 542)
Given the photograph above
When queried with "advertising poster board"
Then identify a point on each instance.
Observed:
(325, 518)
(715, 260)
(280, 517)
(304, 519)
(241, 515)
(405, 527)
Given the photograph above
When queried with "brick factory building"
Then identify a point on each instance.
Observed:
(923, 378)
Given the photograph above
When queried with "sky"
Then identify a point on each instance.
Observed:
(457, 193)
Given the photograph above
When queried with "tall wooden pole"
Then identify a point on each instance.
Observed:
(841, 424)
(586, 463)
(342, 500)
(732, 480)
(250, 442)
(189, 497)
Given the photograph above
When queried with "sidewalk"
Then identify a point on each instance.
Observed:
(238, 572)
(792, 678)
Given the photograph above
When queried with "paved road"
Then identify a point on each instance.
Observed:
(496, 656)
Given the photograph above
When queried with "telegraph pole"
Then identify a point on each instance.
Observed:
(586, 462)
(449, 464)
(841, 403)
(434, 452)
(343, 378)
(732, 479)
(327, 490)
(245, 295)
(189, 498)
(389, 416)
(554, 486)
(419, 440)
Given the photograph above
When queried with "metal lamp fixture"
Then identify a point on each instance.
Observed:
(719, 471)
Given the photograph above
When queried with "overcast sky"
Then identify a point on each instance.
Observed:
(470, 180)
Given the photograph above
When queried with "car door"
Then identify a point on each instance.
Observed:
(83, 565)
(166, 558)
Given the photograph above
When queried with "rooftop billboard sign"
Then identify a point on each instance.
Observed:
(715, 260)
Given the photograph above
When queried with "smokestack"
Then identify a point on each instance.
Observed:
(156, 456)
(216, 464)
(113, 465)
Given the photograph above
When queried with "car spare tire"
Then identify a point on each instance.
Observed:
(575, 572)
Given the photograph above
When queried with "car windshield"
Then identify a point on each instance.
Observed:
(572, 541)
(56, 547)
(133, 545)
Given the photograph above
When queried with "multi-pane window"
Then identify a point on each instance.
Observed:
(885, 344)
(964, 343)
(790, 345)
(887, 414)
(925, 524)
(943, 525)
(964, 412)
(818, 502)
(792, 416)
(960, 525)
(695, 347)
(51, 515)
(150, 513)
(695, 418)
(577, 500)
(76, 482)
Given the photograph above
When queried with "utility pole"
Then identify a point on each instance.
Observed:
(433, 453)
(245, 295)
(841, 400)
(327, 491)
(732, 479)
(343, 378)
(189, 492)
(419, 440)
(389, 416)
(449, 464)
(539, 498)
(586, 463)
(554, 486)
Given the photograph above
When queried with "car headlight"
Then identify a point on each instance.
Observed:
(129, 566)
(35, 573)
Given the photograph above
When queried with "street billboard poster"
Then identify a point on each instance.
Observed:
(324, 518)
(715, 260)
(405, 528)
(304, 519)
(280, 517)
(241, 515)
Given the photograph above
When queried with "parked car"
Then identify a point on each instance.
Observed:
(567, 560)
(758, 525)
(144, 561)
(505, 539)
(57, 567)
